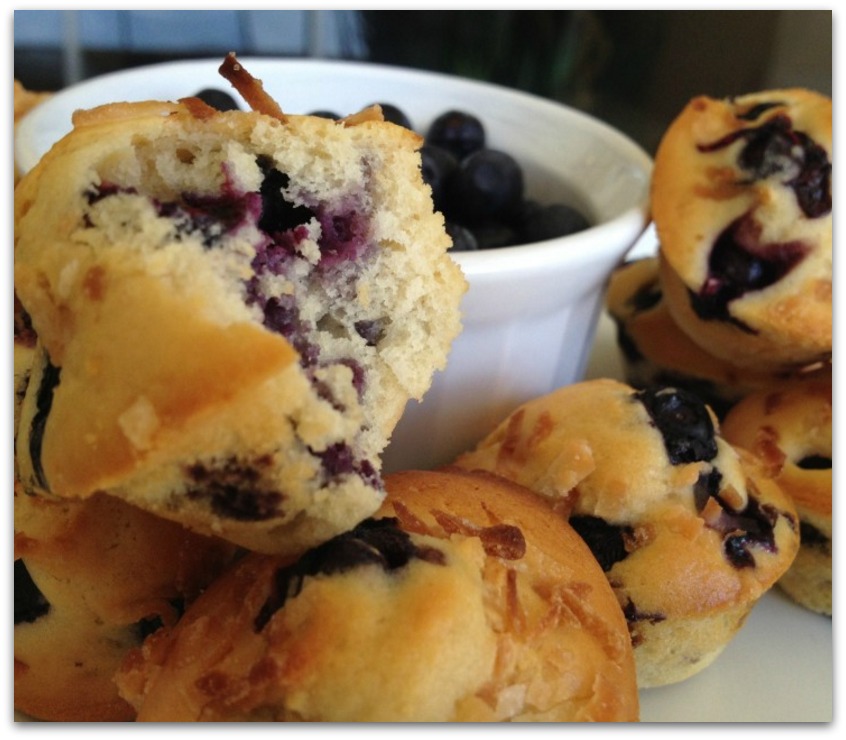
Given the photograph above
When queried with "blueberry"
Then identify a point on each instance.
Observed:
(217, 99)
(812, 184)
(739, 263)
(437, 166)
(393, 114)
(278, 214)
(606, 541)
(706, 486)
(683, 420)
(463, 240)
(486, 187)
(50, 379)
(747, 530)
(528, 210)
(30, 603)
(552, 221)
(775, 148)
(461, 133)
(634, 615)
(814, 462)
(377, 542)
(768, 150)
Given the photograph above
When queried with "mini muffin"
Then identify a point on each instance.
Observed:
(234, 308)
(464, 599)
(741, 199)
(655, 352)
(689, 533)
(92, 579)
(790, 431)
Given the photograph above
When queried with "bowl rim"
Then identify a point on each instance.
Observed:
(630, 222)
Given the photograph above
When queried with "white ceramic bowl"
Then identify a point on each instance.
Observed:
(531, 311)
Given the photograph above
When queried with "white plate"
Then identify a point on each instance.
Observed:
(778, 668)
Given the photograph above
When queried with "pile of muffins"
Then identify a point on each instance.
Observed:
(200, 538)
(705, 478)
(737, 304)
(219, 317)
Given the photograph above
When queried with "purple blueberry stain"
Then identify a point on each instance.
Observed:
(740, 263)
(339, 461)
(344, 237)
(235, 490)
(775, 149)
(747, 530)
(282, 316)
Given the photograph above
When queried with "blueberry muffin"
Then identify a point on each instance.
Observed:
(463, 599)
(234, 308)
(742, 204)
(656, 352)
(789, 429)
(92, 579)
(689, 532)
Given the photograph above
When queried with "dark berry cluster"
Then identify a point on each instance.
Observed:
(481, 190)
